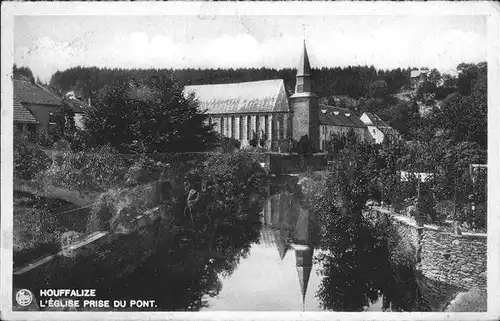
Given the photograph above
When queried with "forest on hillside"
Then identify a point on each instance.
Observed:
(356, 82)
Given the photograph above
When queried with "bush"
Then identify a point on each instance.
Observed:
(228, 144)
(96, 169)
(29, 159)
(476, 219)
(34, 227)
(254, 142)
(62, 145)
(445, 210)
(44, 140)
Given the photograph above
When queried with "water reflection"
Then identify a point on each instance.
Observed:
(279, 269)
(272, 257)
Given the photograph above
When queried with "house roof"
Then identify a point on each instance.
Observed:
(77, 106)
(22, 115)
(29, 93)
(376, 121)
(246, 97)
(336, 116)
(417, 73)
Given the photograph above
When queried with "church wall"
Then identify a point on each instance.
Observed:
(243, 126)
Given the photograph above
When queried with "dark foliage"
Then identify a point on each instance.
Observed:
(146, 116)
(29, 158)
(227, 144)
(353, 81)
(23, 73)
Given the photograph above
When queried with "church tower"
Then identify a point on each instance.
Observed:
(305, 117)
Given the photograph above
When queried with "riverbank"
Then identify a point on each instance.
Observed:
(447, 265)
(130, 229)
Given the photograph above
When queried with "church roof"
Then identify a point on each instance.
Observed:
(336, 116)
(264, 96)
(304, 68)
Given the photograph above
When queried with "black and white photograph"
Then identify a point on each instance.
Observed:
(250, 157)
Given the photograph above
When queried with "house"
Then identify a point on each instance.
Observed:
(378, 129)
(35, 107)
(339, 121)
(263, 109)
(417, 78)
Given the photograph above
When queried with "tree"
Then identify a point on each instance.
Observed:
(379, 88)
(466, 117)
(469, 74)
(152, 115)
(434, 77)
(449, 80)
(23, 73)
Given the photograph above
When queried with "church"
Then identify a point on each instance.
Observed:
(262, 110)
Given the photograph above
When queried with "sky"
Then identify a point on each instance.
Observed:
(49, 43)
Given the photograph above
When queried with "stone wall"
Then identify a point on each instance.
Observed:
(459, 260)
(456, 260)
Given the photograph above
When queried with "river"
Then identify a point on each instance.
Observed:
(269, 259)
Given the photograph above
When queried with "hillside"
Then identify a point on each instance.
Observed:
(355, 82)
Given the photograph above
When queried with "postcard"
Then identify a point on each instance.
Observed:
(250, 160)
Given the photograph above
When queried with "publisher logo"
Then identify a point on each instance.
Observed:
(24, 297)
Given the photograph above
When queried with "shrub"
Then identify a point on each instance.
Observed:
(445, 210)
(29, 159)
(96, 169)
(263, 140)
(44, 140)
(62, 144)
(254, 142)
(34, 227)
(476, 219)
(228, 144)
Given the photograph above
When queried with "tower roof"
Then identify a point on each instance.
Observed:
(304, 261)
(304, 68)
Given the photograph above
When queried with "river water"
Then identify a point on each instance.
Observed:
(270, 263)
(270, 259)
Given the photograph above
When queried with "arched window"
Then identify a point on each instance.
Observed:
(249, 128)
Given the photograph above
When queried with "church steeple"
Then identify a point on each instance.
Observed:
(303, 84)
(304, 68)
(304, 257)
